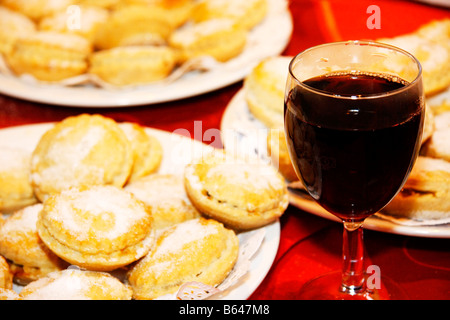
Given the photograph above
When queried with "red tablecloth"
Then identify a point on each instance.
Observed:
(309, 245)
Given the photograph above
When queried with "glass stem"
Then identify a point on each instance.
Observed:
(353, 280)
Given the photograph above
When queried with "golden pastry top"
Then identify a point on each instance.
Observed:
(77, 152)
(429, 174)
(15, 22)
(188, 35)
(99, 215)
(195, 250)
(249, 185)
(73, 284)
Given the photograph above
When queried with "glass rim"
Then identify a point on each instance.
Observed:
(363, 96)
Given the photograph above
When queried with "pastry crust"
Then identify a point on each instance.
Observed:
(20, 243)
(72, 284)
(176, 11)
(16, 191)
(80, 151)
(6, 276)
(134, 25)
(438, 146)
(440, 106)
(13, 26)
(147, 150)
(279, 153)
(437, 30)
(99, 228)
(196, 250)
(426, 193)
(105, 4)
(221, 39)
(50, 56)
(247, 13)
(37, 9)
(134, 65)
(165, 195)
(241, 194)
(431, 50)
(264, 90)
(428, 125)
(85, 21)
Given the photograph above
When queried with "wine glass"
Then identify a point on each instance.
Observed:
(353, 120)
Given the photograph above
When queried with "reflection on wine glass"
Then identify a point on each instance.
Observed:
(353, 120)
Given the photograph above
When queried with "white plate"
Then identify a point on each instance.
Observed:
(178, 152)
(267, 39)
(440, 3)
(242, 133)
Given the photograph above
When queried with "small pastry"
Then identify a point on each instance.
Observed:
(433, 56)
(81, 20)
(264, 90)
(437, 30)
(80, 151)
(221, 39)
(199, 250)
(135, 65)
(246, 13)
(100, 228)
(13, 26)
(165, 195)
(30, 258)
(50, 56)
(73, 284)
(37, 9)
(147, 150)
(241, 194)
(426, 193)
(16, 191)
(134, 25)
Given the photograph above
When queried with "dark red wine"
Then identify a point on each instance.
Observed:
(353, 155)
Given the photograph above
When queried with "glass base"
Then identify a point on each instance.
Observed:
(328, 287)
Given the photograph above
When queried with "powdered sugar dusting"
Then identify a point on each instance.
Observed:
(245, 174)
(162, 191)
(184, 233)
(67, 166)
(181, 234)
(67, 286)
(25, 224)
(114, 208)
(77, 152)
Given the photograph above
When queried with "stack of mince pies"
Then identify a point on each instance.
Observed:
(88, 215)
(118, 43)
